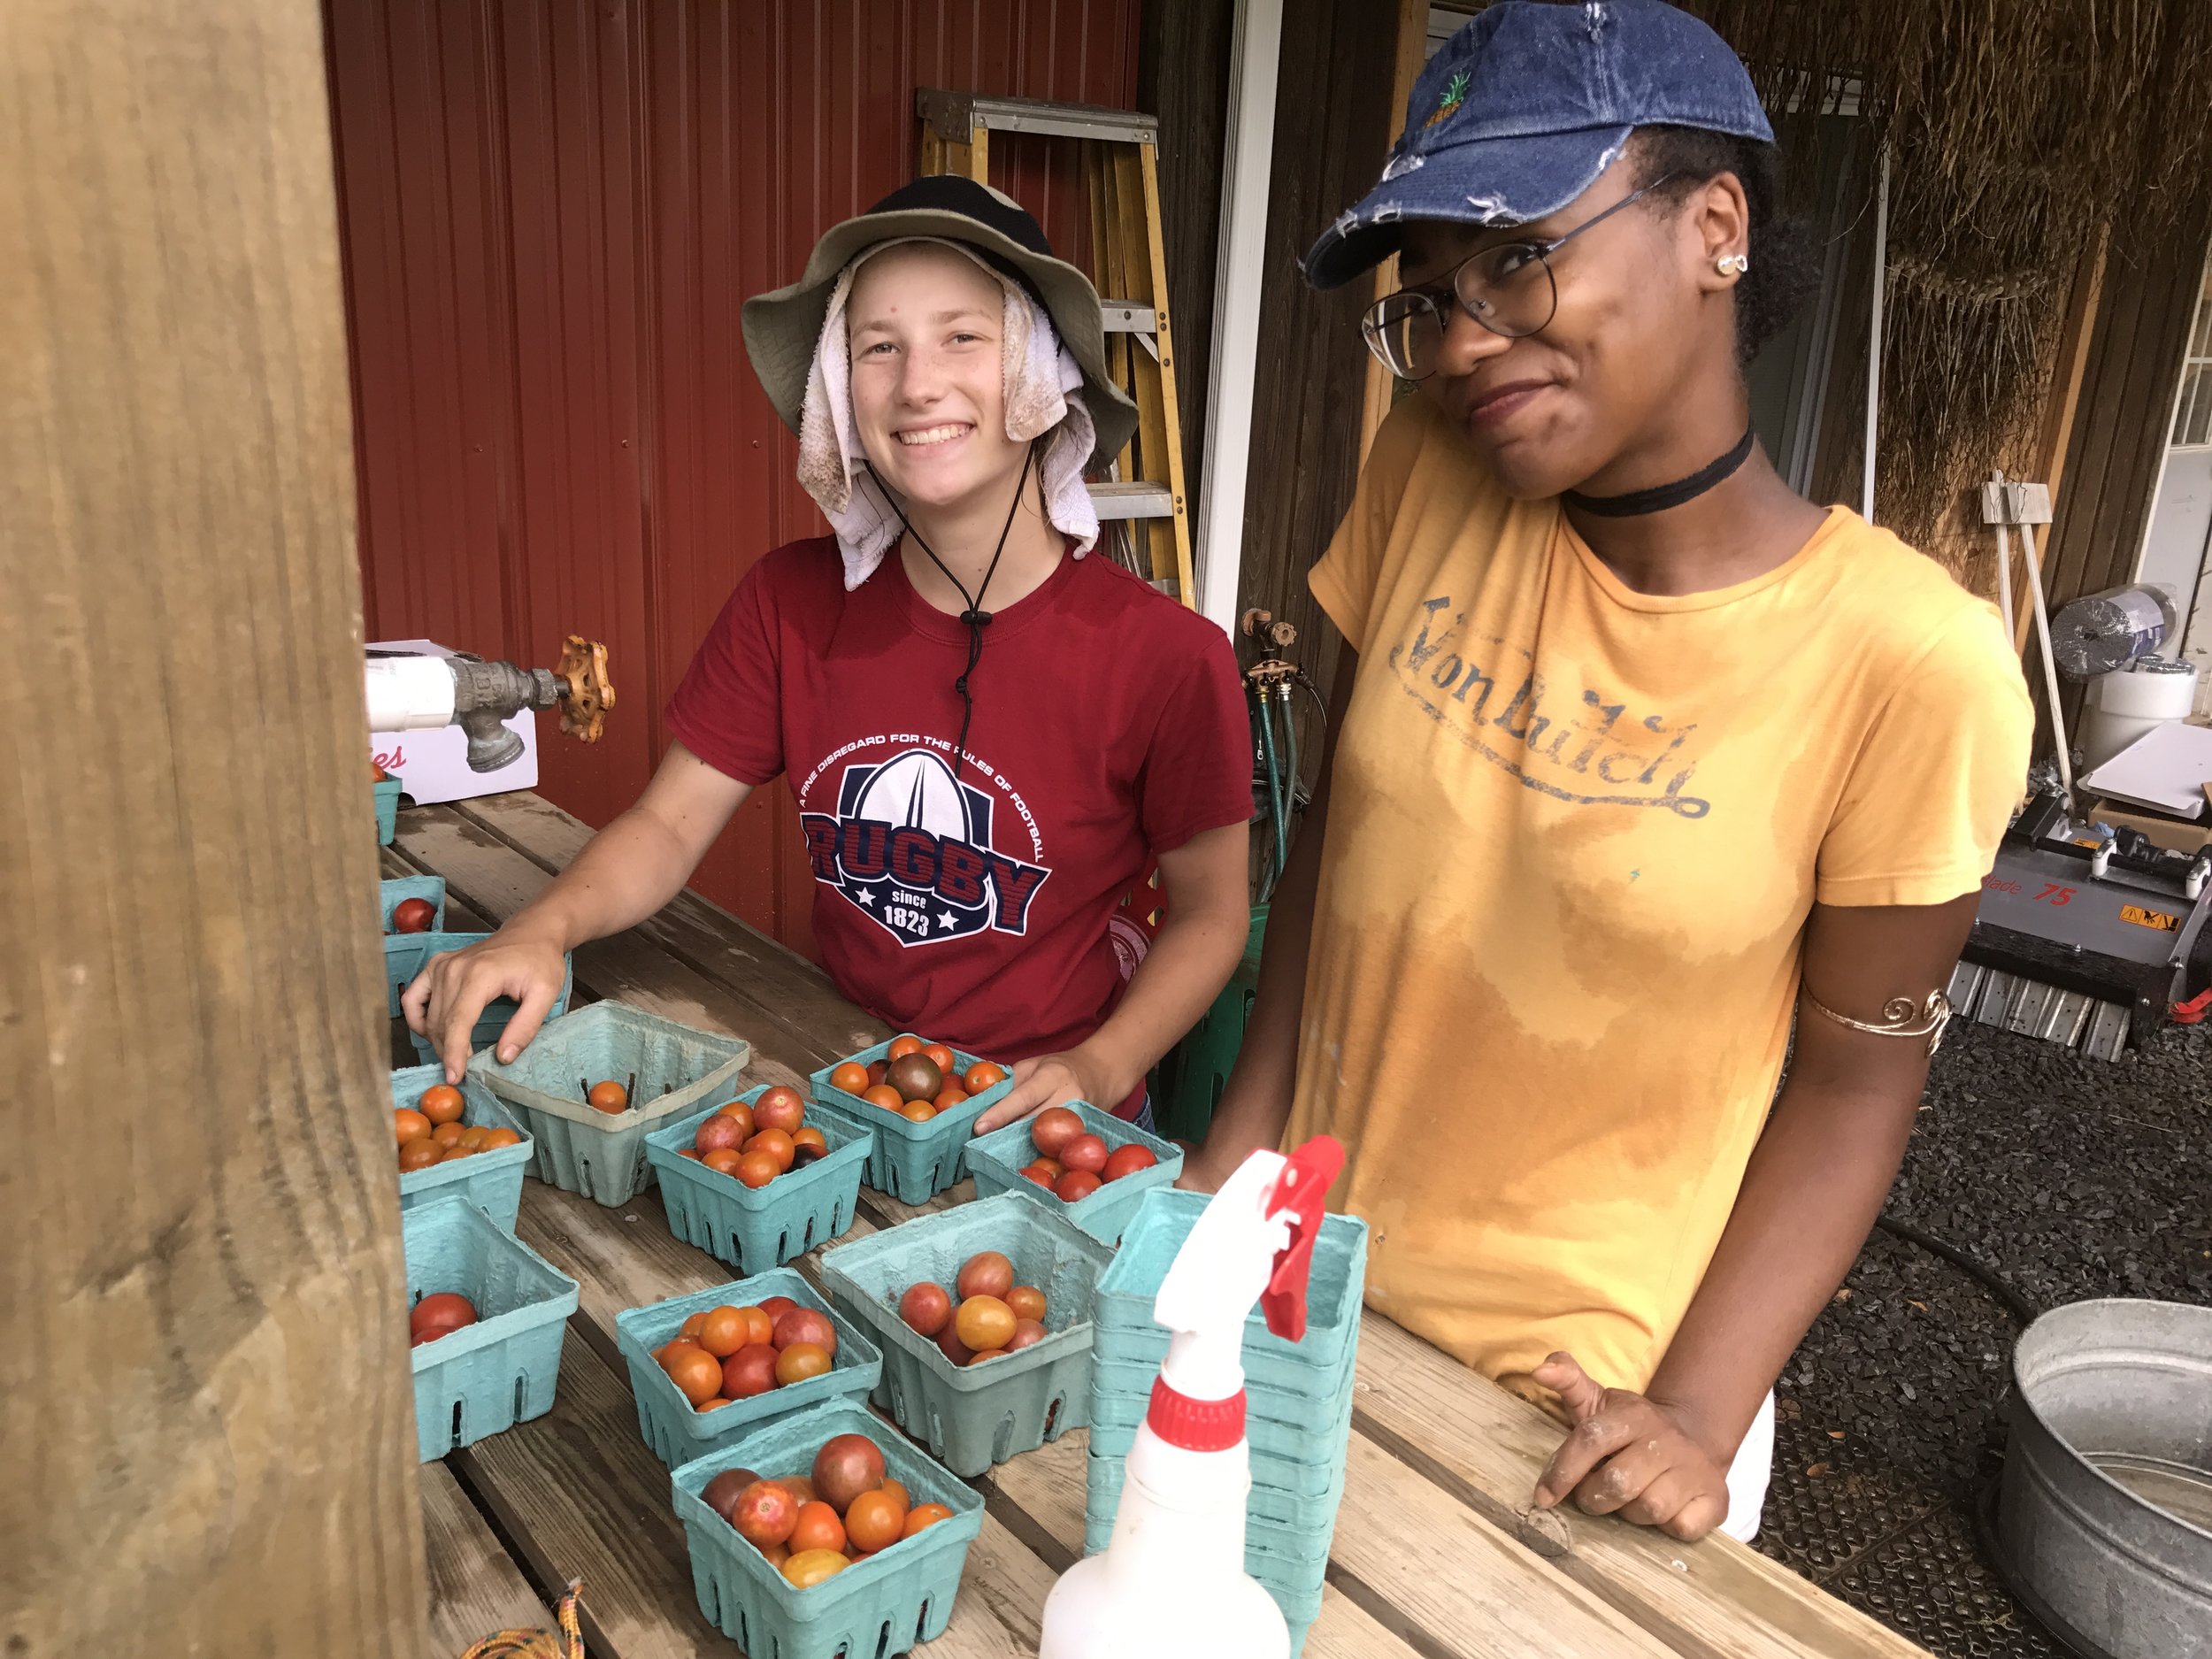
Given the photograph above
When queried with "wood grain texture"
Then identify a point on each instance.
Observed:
(475, 1588)
(207, 1406)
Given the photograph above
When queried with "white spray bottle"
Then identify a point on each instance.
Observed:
(1171, 1584)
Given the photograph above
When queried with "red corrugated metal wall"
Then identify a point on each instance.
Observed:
(552, 210)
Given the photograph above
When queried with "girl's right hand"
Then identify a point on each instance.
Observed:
(455, 987)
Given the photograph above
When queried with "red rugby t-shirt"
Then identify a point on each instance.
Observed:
(973, 907)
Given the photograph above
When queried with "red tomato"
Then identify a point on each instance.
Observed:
(918, 1112)
(1086, 1152)
(750, 1371)
(1026, 1332)
(847, 1465)
(766, 1511)
(718, 1133)
(773, 1306)
(952, 1347)
(1053, 1128)
(1127, 1161)
(1078, 1184)
(779, 1108)
(413, 916)
(437, 1314)
(1027, 1301)
(986, 1273)
(1038, 1173)
(878, 1070)
(805, 1324)
(925, 1308)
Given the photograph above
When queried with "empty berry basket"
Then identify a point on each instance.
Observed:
(912, 1162)
(884, 1604)
(494, 1019)
(996, 1161)
(387, 795)
(754, 1228)
(676, 1431)
(491, 1180)
(972, 1417)
(501, 1371)
(667, 1069)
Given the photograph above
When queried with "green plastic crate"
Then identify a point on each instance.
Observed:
(405, 952)
(754, 1228)
(387, 809)
(602, 1155)
(503, 1369)
(494, 1019)
(883, 1605)
(1188, 1083)
(491, 1180)
(912, 1162)
(995, 1160)
(679, 1434)
(972, 1417)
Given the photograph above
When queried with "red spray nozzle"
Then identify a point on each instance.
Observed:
(1301, 1190)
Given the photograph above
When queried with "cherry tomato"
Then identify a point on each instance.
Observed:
(1026, 1332)
(1127, 1161)
(609, 1097)
(877, 1072)
(438, 1313)
(756, 1169)
(942, 1055)
(765, 1513)
(718, 1133)
(773, 1306)
(884, 1095)
(739, 1113)
(723, 1161)
(989, 1353)
(410, 1124)
(808, 1135)
(897, 1489)
(918, 1112)
(779, 1108)
(1077, 1184)
(851, 1077)
(984, 1322)
(691, 1327)
(1053, 1128)
(722, 1332)
(715, 1404)
(950, 1097)
(817, 1528)
(874, 1521)
(1038, 1173)
(1086, 1152)
(420, 1154)
(759, 1327)
(982, 1075)
(697, 1373)
(413, 916)
(776, 1144)
(901, 1047)
(805, 1324)
(721, 1494)
(986, 1273)
(848, 1465)
(923, 1517)
(440, 1103)
(447, 1134)
(952, 1347)
(809, 1567)
(1026, 1300)
(502, 1138)
(750, 1371)
(925, 1308)
(799, 1361)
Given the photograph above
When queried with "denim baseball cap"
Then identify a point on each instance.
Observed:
(1519, 113)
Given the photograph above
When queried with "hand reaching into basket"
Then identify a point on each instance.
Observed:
(1053, 1080)
(455, 988)
(1631, 1455)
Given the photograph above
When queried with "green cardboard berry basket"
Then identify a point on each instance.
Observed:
(503, 1369)
(972, 1417)
(491, 1180)
(669, 1070)
(387, 795)
(885, 1604)
(912, 1162)
(673, 1427)
(996, 1161)
(494, 1019)
(754, 1228)
(405, 952)
(1278, 1530)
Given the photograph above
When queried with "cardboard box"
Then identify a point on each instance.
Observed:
(434, 765)
(2179, 834)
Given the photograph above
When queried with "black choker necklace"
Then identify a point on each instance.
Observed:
(1666, 496)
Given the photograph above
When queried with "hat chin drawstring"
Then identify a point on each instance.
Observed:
(975, 618)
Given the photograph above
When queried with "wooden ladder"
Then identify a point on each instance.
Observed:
(1121, 163)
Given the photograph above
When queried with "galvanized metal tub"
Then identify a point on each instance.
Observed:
(2105, 1510)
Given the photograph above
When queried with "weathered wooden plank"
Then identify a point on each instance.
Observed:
(475, 1588)
(1716, 1598)
(203, 1392)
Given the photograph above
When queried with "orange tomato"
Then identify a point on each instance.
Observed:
(897, 1489)
(609, 1097)
(918, 1112)
(420, 1154)
(884, 1095)
(447, 1134)
(984, 1322)
(455, 1152)
(665, 1355)
(852, 1076)
(982, 1075)
(1026, 1300)
(722, 1332)
(809, 1567)
(723, 1160)
(922, 1517)
(942, 1055)
(874, 1521)
(499, 1138)
(808, 1135)
(743, 1114)
(950, 1097)
(686, 1152)
(696, 1373)
(758, 1327)
(817, 1528)
(901, 1047)
(1077, 1184)
(989, 1353)
(777, 1145)
(754, 1169)
(475, 1137)
(440, 1103)
(714, 1404)
(410, 1124)
(801, 1361)
(689, 1330)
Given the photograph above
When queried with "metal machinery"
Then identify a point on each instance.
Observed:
(418, 694)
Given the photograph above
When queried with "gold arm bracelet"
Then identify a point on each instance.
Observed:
(1899, 1018)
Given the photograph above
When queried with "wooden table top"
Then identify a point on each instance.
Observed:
(1433, 1556)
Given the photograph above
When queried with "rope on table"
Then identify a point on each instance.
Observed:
(538, 1644)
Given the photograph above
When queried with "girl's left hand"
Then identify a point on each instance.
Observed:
(1051, 1079)
(1631, 1455)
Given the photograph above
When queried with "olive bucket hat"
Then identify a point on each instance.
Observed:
(782, 328)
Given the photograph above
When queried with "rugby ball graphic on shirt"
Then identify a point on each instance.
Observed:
(911, 846)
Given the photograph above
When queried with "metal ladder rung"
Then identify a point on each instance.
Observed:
(958, 116)
(1133, 500)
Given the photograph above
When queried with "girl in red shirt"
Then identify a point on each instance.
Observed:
(989, 733)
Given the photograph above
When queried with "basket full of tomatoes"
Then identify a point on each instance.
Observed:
(485, 1317)
(494, 1019)
(593, 1084)
(825, 1534)
(413, 906)
(1091, 1166)
(711, 1367)
(920, 1100)
(456, 1141)
(753, 1182)
(1002, 1271)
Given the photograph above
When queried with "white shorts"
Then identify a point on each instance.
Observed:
(1749, 1473)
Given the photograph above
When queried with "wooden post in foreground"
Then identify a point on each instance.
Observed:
(206, 1433)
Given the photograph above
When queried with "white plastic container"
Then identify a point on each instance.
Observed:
(1171, 1584)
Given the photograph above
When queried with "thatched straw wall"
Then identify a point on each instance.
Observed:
(2018, 129)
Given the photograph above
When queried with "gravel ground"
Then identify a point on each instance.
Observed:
(2068, 1178)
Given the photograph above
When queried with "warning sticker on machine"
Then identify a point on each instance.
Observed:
(2142, 917)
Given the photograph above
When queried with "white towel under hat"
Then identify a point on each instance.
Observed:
(1043, 395)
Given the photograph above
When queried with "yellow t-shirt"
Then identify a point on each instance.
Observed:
(1573, 837)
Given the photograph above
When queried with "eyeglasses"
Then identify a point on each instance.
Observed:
(1509, 289)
